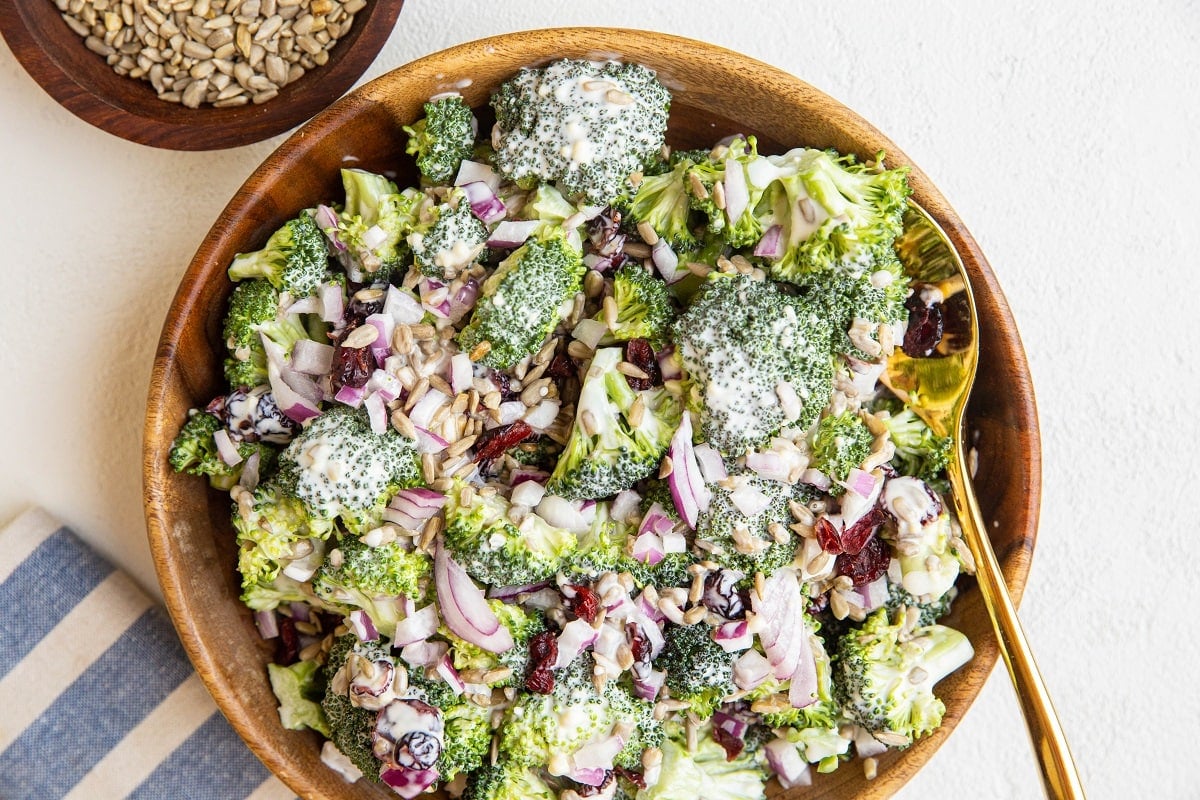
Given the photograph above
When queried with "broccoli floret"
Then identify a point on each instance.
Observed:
(885, 678)
(606, 452)
(929, 612)
(507, 780)
(294, 259)
(375, 223)
(858, 299)
(493, 549)
(647, 731)
(522, 301)
(350, 727)
(832, 210)
(339, 467)
(541, 453)
(281, 590)
(587, 125)
(194, 451)
(299, 691)
(823, 746)
(643, 307)
(442, 139)
(468, 737)
(274, 531)
(522, 626)
(748, 346)
(699, 671)
(254, 303)
(451, 242)
(920, 453)
(372, 578)
(929, 566)
(839, 444)
(663, 202)
(745, 544)
(706, 773)
(605, 548)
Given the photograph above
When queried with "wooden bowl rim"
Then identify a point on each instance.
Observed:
(159, 431)
(128, 107)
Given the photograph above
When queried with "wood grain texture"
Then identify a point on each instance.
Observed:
(81, 81)
(716, 92)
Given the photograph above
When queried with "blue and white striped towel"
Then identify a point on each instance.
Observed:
(97, 699)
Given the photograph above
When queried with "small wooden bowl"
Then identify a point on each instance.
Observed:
(716, 92)
(81, 81)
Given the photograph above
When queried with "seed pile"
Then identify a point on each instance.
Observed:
(219, 52)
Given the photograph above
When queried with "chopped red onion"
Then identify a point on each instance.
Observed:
(590, 332)
(312, 358)
(737, 194)
(363, 626)
(577, 635)
(874, 594)
(562, 513)
(527, 493)
(860, 482)
(350, 395)
(423, 654)
(510, 233)
(751, 670)
(771, 244)
(461, 373)
(712, 466)
(384, 383)
(667, 263)
(768, 464)
(305, 305)
(435, 297)
(373, 237)
(648, 549)
(327, 220)
(267, 623)
(409, 783)
(485, 205)
(404, 308)
(647, 688)
(300, 611)
(464, 299)
(734, 726)
(522, 474)
(416, 627)
(785, 761)
(226, 449)
(674, 542)
(624, 505)
(594, 761)
(376, 412)
(542, 416)
(248, 480)
(471, 171)
(656, 521)
(333, 302)
(430, 442)
(381, 348)
(733, 636)
(422, 413)
(450, 675)
(814, 477)
(749, 500)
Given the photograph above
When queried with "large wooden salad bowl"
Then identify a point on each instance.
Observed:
(716, 92)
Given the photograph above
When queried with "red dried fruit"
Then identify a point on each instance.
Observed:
(540, 681)
(867, 564)
(827, 536)
(925, 327)
(492, 443)
(639, 353)
(560, 367)
(584, 604)
(287, 650)
(856, 536)
(639, 645)
(352, 366)
(731, 744)
(543, 648)
(638, 779)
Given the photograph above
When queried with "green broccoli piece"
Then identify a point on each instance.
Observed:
(522, 625)
(929, 612)
(442, 139)
(746, 230)
(586, 125)
(371, 579)
(350, 727)
(273, 531)
(885, 675)
(294, 260)
(508, 780)
(824, 746)
(281, 590)
(194, 451)
(254, 303)
(832, 210)
(606, 453)
(643, 307)
(920, 453)
(339, 467)
(858, 300)
(663, 202)
(930, 565)
(605, 548)
(839, 444)
(706, 773)
(493, 549)
(725, 526)
(468, 738)
(453, 240)
(299, 691)
(699, 671)
(747, 346)
(521, 302)
(375, 223)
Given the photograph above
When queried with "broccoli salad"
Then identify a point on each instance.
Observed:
(567, 472)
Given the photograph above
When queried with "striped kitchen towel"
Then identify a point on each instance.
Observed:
(97, 699)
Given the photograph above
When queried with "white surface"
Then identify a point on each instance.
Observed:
(1065, 138)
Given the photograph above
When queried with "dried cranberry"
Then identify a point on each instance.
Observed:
(352, 366)
(540, 681)
(503, 385)
(492, 443)
(584, 604)
(924, 327)
(639, 353)
(731, 744)
(827, 536)
(417, 750)
(867, 564)
(287, 650)
(359, 308)
(856, 536)
(560, 367)
(638, 779)
(639, 645)
(543, 647)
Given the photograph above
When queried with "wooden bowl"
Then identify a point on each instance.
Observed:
(716, 92)
(81, 81)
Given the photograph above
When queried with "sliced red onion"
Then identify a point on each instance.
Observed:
(648, 687)
(688, 491)
(373, 237)
(874, 594)
(733, 637)
(522, 474)
(602, 263)
(577, 635)
(382, 346)
(624, 505)
(409, 783)
(423, 654)
(435, 297)
(461, 373)
(656, 521)
(350, 395)
(513, 233)
(450, 675)
(464, 299)
(527, 493)
(783, 633)
(861, 482)
(543, 599)
(267, 623)
(785, 761)
(648, 549)
(403, 307)
(562, 513)
(226, 449)
(419, 500)
(751, 670)
(749, 500)
(768, 464)
(803, 691)
(333, 302)
(542, 416)
(422, 413)
(485, 205)
(771, 244)
(471, 171)
(430, 442)
(737, 194)
(593, 762)
(712, 466)
(464, 608)
(298, 383)
(327, 220)
(312, 358)
(361, 623)
(609, 641)
(590, 332)
(416, 627)
(667, 263)
(248, 480)
(376, 413)
(511, 593)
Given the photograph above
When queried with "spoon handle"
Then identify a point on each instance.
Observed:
(1059, 774)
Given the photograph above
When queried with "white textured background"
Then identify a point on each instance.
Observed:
(1065, 138)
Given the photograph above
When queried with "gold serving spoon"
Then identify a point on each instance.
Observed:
(937, 389)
